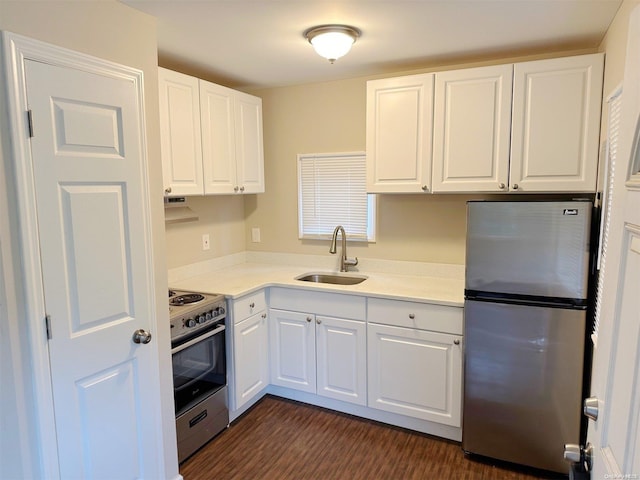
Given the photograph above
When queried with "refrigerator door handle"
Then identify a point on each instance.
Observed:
(535, 301)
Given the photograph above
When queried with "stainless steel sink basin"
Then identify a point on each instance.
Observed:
(333, 278)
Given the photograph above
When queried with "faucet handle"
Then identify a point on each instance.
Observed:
(352, 262)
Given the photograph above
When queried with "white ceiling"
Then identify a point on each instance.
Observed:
(259, 43)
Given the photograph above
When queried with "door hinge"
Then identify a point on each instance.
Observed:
(30, 123)
(47, 324)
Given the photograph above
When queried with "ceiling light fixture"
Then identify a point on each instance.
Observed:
(332, 41)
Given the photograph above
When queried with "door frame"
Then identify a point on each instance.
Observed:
(17, 49)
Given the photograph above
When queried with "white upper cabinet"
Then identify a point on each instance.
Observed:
(399, 132)
(530, 127)
(471, 129)
(232, 146)
(556, 124)
(249, 143)
(220, 145)
(180, 133)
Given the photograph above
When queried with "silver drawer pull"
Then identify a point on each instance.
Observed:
(252, 305)
(412, 316)
(456, 342)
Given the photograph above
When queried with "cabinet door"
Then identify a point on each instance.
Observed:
(341, 359)
(249, 143)
(399, 132)
(293, 354)
(180, 133)
(472, 129)
(218, 138)
(556, 124)
(415, 373)
(251, 357)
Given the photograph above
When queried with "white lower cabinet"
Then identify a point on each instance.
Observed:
(319, 354)
(250, 349)
(293, 350)
(318, 343)
(412, 371)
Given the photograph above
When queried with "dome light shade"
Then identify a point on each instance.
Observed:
(332, 41)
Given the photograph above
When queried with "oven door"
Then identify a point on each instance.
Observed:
(199, 367)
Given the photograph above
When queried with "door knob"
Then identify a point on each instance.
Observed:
(590, 408)
(141, 336)
(574, 453)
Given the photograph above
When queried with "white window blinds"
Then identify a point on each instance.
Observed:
(332, 192)
(614, 105)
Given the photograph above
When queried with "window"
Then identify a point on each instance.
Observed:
(331, 192)
(614, 107)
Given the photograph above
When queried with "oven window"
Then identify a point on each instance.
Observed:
(198, 371)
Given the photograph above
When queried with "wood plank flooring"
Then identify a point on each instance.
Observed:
(286, 440)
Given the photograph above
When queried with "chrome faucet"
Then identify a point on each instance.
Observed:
(344, 261)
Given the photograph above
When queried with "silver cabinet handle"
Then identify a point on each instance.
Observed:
(309, 319)
(412, 316)
(167, 190)
(242, 188)
(235, 189)
(501, 186)
(424, 188)
(515, 186)
(141, 336)
(590, 408)
(252, 305)
(264, 315)
(456, 341)
(318, 321)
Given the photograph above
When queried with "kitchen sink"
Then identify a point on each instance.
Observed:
(333, 278)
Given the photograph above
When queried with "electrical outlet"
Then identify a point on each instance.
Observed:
(205, 242)
(255, 235)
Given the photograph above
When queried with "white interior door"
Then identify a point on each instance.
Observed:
(615, 435)
(93, 231)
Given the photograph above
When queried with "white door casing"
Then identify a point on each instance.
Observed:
(83, 202)
(615, 435)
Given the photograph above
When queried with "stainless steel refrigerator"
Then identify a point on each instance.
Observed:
(527, 271)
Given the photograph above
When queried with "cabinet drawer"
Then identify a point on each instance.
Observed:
(319, 303)
(247, 306)
(423, 316)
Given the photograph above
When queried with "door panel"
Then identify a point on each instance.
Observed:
(94, 241)
(341, 350)
(293, 350)
(556, 122)
(616, 375)
(218, 138)
(472, 127)
(415, 373)
(180, 133)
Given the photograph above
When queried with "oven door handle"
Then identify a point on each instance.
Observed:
(192, 342)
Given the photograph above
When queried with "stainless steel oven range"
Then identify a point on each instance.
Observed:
(199, 368)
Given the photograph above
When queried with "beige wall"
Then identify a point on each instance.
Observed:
(115, 32)
(614, 45)
(221, 217)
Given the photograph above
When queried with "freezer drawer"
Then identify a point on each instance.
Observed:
(523, 382)
(529, 248)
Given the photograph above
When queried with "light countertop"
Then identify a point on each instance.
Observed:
(238, 280)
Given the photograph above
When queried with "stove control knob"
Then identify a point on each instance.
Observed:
(209, 315)
(201, 319)
(220, 311)
(190, 322)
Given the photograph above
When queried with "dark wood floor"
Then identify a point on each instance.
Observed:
(286, 440)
